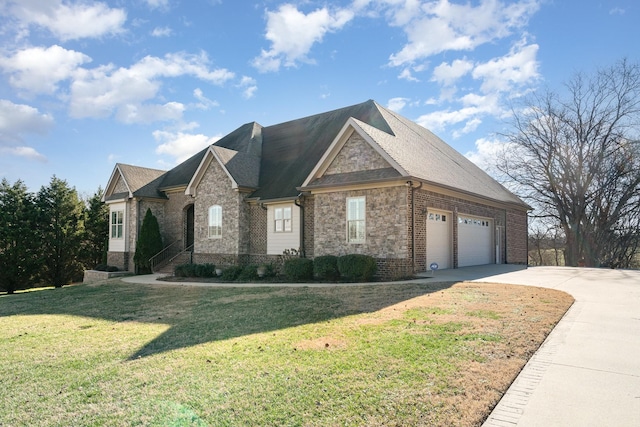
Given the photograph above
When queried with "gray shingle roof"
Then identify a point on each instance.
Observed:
(276, 160)
(142, 182)
(291, 150)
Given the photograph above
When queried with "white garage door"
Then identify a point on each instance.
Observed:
(475, 243)
(439, 239)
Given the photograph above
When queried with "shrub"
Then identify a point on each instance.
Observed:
(325, 267)
(231, 273)
(269, 270)
(298, 269)
(248, 273)
(185, 270)
(111, 268)
(356, 267)
(101, 267)
(205, 270)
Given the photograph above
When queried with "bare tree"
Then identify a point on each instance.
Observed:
(576, 159)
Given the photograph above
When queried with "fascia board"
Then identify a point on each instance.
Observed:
(112, 182)
(202, 168)
(339, 141)
(331, 153)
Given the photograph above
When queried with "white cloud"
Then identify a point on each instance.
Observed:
(517, 68)
(19, 119)
(406, 74)
(161, 32)
(248, 86)
(447, 74)
(205, 103)
(157, 4)
(171, 111)
(26, 152)
(397, 104)
(69, 21)
(469, 115)
(487, 152)
(292, 34)
(617, 11)
(104, 90)
(181, 145)
(439, 26)
(39, 70)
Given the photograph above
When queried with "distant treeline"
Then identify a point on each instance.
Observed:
(48, 238)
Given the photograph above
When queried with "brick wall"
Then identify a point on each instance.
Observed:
(174, 224)
(517, 236)
(118, 259)
(215, 189)
(309, 224)
(427, 199)
(257, 229)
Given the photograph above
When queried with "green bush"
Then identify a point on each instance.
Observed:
(185, 270)
(325, 267)
(231, 273)
(205, 270)
(356, 267)
(249, 273)
(298, 269)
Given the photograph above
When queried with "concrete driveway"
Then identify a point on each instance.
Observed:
(587, 372)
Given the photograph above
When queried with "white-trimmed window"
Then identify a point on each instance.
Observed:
(356, 223)
(282, 220)
(117, 224)
(215, 222)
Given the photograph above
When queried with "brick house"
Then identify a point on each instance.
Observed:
(360, 179)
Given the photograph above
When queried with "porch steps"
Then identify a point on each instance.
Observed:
(169, 267)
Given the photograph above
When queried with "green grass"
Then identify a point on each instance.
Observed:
(130, 355)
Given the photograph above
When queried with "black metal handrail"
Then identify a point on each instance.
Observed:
(166, 253)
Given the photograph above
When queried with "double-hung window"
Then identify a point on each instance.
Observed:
(117, 223)
(215, 222)
(356, 223)
(282, 219)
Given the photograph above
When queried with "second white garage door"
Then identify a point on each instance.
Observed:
(475, 243)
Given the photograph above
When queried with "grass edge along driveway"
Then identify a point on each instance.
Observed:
(122, 354)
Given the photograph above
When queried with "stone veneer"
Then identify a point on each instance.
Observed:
(386, 223)
(215, 189)
(356, 155)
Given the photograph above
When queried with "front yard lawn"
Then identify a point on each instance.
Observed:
(121, 354)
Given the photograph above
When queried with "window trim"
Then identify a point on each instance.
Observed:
(214, 219)
(117, 225)
(359, 222)
(282, 223)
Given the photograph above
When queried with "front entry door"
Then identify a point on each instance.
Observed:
(189, 227)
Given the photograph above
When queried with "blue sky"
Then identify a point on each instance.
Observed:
(85, 84)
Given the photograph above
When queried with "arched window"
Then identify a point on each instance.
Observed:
(215, 222)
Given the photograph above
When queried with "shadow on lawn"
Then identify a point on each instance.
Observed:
(198, 315)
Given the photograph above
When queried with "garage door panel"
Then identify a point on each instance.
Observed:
(475, 241)
(439, 239)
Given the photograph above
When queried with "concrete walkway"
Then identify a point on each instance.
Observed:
(587, 372)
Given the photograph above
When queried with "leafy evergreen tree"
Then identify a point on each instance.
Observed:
(149, 243)
(61, 217)
(96, 231)
(19, 260)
